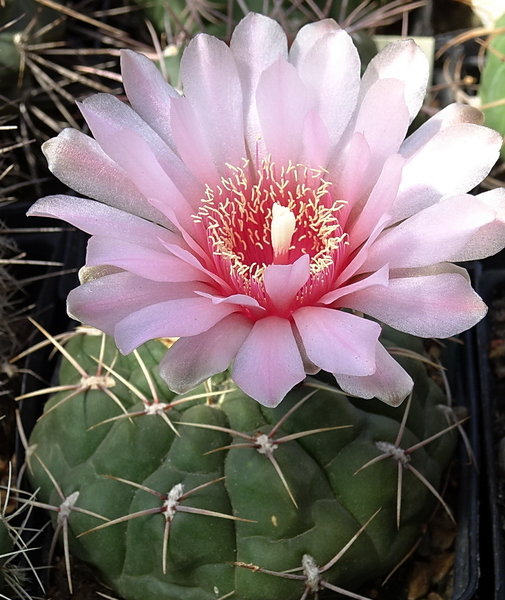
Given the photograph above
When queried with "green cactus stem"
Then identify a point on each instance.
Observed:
(192, 489)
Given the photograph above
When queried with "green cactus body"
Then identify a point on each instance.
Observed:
(15, 20)
(492, 83)
(296, 495)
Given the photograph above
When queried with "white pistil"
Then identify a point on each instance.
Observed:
(282, 230)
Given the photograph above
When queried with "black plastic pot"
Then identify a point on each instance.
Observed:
(467, 558)
(491, 286)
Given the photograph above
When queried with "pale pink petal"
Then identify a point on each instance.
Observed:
(309, 367)
(437, 269)
(257, 42)
(79, 162)
(192, 259)
(97, 302)
(140, 260)
(212, 86)
(355, 265)
(383, 135)
(450, 115)
(192, 143)
(96, 218)
(307, 37)
(452, 162)
(315, 140)
(390, 382)
(380, 277)
(283, 282)
(490, 238)
(172, 318)
(135, 147)
(405, 61)
(119, 131)
(240, 299)
(336, 341)
(268, 364)
(148, 93)
(330, 70)
(436, 234)
(430, 306)
(349, 173)
(192, 360)
(195, 237)
(282, 105)
(378, 203)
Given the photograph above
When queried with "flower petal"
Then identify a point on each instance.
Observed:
(192, 142)
(192, 360)
(152, 264)
(450, 115)
(283, 282)
(79, 162)
(390, 382)
(378, 203)
(268, 364)
(307, 37)
(282, 105)
(330, 70)
(96, 301)
(490, 238)
(428, 306)
(130, 142)
(148, 92)
(380, 277)
(96, 218)
(384, 136)
(172, 318)
(436, 234)
(240, 299)
(316, 143)
(212, 86)
(405, 61)
(336, 341)
(257, 42)
(452, 162)
(349, 173)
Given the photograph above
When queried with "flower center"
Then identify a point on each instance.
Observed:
(271, 217)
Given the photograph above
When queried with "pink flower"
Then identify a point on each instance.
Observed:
(261, 214)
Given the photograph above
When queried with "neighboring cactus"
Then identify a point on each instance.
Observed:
(6, 546)
(492, 84)
(16, 538)
(204, 485)
(19, 21)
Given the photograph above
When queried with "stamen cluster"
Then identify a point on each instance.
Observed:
(272, 215)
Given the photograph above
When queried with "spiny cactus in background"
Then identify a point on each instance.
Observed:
(15, 542)
(23, 22)
(6, 546)
(492, 83)
(211, 495)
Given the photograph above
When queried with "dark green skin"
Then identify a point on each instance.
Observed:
(333, 501)
(492, 83)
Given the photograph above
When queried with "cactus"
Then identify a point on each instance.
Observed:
(492, 86)
(6, 545)
(199, 496)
